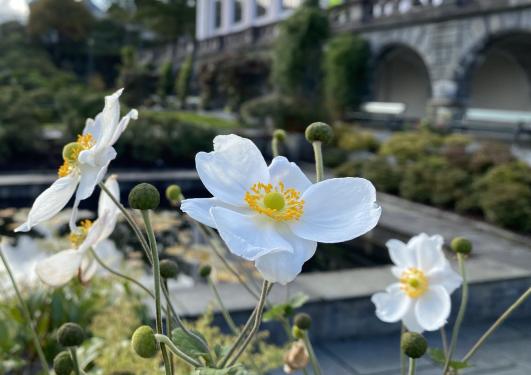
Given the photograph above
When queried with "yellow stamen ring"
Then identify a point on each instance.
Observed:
(414, 282)
(277, 202)
(71, 153)
(76, 238)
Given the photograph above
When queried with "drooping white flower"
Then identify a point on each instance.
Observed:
(60, 268)
(421, 297)
(273, 215)
(85, 164)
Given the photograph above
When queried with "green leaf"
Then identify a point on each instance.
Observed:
(236, 370)
(437, 356)
(188, 344)
(278, 311)
(298, 300)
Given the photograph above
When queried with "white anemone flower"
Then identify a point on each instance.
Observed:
(273, 215)
(60, 268)
(85, 164)
(421, 297)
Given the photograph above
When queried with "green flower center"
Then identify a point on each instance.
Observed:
(274, 200)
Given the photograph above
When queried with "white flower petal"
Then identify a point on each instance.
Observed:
(199, 209)
(428, 251)
(410, 319)
(433, 308)
(94, 234)
(402, 256)
(109, 120)
(283, 266)
(106, 205)
(248, 236)
(93, 127)
(50, 202)
(60, 268)
(446, 277)
(338, 210)
(232, 168)
(392, 304)
(87, 269)
(122, 125)
(90, 177)
(281, 170)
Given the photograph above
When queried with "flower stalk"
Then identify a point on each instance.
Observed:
(224, 311)
(73, 354)
(318, 153)
(313, 358)
(26, 314)
(460, 313)
(496, 324)
(403, 359)
(412, 365)
(156, 276)
(164, 340)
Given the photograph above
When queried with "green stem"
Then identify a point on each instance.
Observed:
(403, 358)
(444, 341)
(73, 355)
(156, 276)
(26, 314)
(274, 147)
(222, 307)
(169, 325)
(319, 169)
(311, 353)
(496, 324)
(460, 313)
(165, 341)
(412, 364)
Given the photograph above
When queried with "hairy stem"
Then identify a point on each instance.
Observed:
(73, 355)
(311, 353)
(319, 169)
(412, 364)
(26, 314)
(403, 359)
(222, 307)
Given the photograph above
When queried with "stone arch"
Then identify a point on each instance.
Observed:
(400, 74)
(495, 72)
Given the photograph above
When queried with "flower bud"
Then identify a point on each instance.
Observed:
(174, 194)
(413, 344)
(296, 358)
(168, 269)
(71, 151)
(62, 364)
(461, 245)
(144, 342)
(319, 132)
(297, 332)
(288, 310)
(144, 196)
(303, 321)
(70, 334)
(205, 271)
(280, 135)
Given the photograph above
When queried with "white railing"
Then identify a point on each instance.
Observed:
(386, 8)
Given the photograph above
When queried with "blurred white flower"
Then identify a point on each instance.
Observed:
(274, 215)
(85, 164)
(23, 258)
(421, 297)
(60, 268)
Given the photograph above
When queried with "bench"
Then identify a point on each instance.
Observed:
(390, 114)
(516, 123)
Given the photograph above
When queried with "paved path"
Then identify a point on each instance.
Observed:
(507, 352)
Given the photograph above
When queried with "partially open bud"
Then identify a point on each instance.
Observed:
(280, 135)
(205, 271)
(168, 269)
(144, 342)
(70, 334)
(296, 358)
(174, 194)
(319, 132)
(413, 344)
(62, 364)
(144, 196)
(71, 151)
(297, 332)
(461, 245)
(303, 321)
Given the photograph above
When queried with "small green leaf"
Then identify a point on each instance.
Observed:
(188, 344)
(215, 371)
(277, 311)
(298, 300)
(438, 356)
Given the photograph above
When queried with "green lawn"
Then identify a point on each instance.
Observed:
(193, 118)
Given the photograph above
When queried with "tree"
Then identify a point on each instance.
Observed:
(166, 80)
(170, 19)
(345, 72)
(182, 84)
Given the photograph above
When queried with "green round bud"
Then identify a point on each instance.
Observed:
(303, 321)
(205, 271)
(174, 194)
(319, 132)
(144, 342)
(279, 135)
(70, 334)
(461, 245)
(144, 196)
(71, 151)
(297, 332)
(168, 269)
(288, 310)
(413, 344)
(63, 364)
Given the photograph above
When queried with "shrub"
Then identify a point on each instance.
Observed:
(411, 145)
(450, 185)
(384, 174)
(508, 205)
(182, 83)
(345, 73)
(490, 154)
(350, 168)
(166, 80)
(515, 172)
(419, 178)
(355, 139)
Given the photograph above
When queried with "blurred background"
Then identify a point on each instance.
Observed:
(429, 99)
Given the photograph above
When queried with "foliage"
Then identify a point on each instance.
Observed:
(383, 173)
(419, 178)
(345, 73)
(170, 19)
(356, 139)
(166, 79)
(489, 155)
(411, 145)
(182, 84)
(138, 82)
